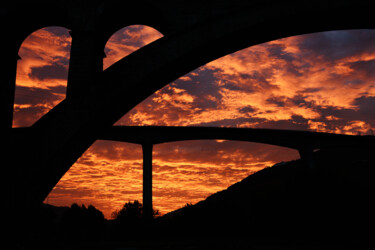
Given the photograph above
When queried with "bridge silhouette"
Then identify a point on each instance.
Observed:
(303, 141)
(147, 136)
(195, 33)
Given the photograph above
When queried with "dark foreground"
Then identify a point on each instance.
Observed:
(214, 243)
(288, 206)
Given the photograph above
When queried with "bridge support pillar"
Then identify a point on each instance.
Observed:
(86, 61)
(7, 94)
(147, 180)
(87, 49)
(307, 156)
(8, 86)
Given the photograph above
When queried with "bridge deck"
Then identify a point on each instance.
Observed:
(286, 138)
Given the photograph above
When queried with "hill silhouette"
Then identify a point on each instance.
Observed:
(283, 205)
(333, 202)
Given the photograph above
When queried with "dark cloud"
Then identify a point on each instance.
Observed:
(260, 80)
(365, 68)
(203, 85)
(58, 89)
(24, 117)
(335, 45)
(344, 117)
(252, 82)
(286, 60)
(233, 86)
(279, 101)
(366, 108)
(63, 60)
(247, 109)
(300, 101)
(58, 31)
(35, 96)
(309, 90)
(54, 71)
(295, 123)
(341, 113)
(278, 51)
(32, 103)
(365, 111)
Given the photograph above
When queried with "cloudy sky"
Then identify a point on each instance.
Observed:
(320, 82)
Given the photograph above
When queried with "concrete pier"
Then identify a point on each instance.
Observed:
(307, 156)
(147, 179)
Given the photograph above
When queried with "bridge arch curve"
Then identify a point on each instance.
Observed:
(142, 12)
(70, 128)
(27, 17)
(230, 41)
(127, 40)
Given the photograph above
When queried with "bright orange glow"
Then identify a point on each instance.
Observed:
(110, 173)
(321, 82)
(106, 176)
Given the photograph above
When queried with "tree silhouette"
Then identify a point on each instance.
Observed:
(129, 221)
(132, 212)
(81, 223)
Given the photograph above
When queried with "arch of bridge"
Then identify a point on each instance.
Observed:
(63, 134)
(22, 18)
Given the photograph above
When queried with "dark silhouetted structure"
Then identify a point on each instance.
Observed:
(195, 32)
(325, 207)
(303, 141)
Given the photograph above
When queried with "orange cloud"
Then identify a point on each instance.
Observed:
(128, 40)
(107, 175)
(41, 74)
(43, 48)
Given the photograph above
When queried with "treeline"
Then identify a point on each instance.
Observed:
(63, 227)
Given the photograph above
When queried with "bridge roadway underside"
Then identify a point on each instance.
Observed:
(195, 33)
(295, 139)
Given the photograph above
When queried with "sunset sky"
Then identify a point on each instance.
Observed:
(321, 82)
